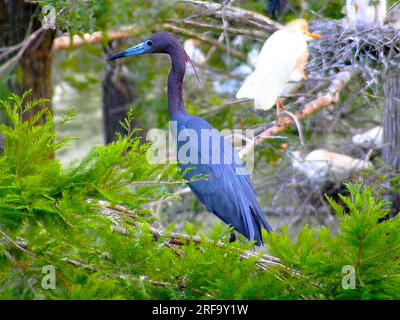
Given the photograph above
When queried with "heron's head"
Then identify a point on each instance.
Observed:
(301, 25)
(161, 42)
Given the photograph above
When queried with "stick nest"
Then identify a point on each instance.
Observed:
(369, 49)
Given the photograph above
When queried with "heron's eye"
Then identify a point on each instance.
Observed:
(149, 43)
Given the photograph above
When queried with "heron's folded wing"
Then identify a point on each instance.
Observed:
(228, 191)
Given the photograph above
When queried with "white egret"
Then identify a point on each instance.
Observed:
(282, 60)
(321, 166)
(369, 139)
(365, 12)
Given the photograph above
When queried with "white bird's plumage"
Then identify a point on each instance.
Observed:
(362, 12)
(282, 59)
(369, 139)
(322, 165)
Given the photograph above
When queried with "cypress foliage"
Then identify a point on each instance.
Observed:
(50, 217)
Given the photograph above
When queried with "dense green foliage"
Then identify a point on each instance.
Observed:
(88, 16)
(52, 216)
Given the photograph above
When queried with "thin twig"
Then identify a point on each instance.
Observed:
(213, 42)
(207, 26)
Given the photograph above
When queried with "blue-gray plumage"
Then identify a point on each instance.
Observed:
(227, 190)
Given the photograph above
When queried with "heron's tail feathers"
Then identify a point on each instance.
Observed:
(259, 223)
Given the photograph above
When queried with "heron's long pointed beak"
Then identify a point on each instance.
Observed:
(134, 51)
(313, 35)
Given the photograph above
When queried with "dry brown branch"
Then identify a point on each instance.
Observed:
(329, 98)
(23, 46)
(206, 26)
(64, 42)
(17, 245)
(264, 261)
(177, 239)
(234, 14)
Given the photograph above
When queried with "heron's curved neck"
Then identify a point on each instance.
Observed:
(175, 81)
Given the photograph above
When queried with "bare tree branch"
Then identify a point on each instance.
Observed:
(65, 42)
(329, 98)
(207, 26)
(215, 43)
(234, 14)
(178, 239)
(23, 46)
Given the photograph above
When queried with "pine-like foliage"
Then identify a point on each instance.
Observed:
(366, 251)
(51, 218)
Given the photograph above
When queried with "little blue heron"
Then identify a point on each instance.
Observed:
(227, 190)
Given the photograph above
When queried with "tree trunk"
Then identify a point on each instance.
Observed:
(14, 21)
(19, 19)
(118, 94)
(36, 65)
(391, 131)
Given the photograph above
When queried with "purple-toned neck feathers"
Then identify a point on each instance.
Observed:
(164, 42)
(179, 59)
